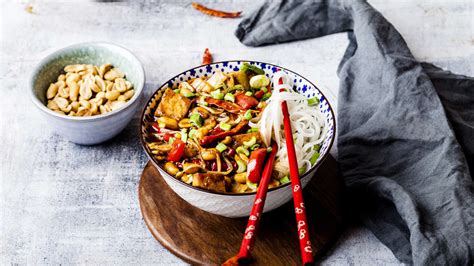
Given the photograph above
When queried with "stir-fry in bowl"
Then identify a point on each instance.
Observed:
(209, 129)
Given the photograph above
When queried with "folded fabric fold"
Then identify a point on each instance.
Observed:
(405, 129)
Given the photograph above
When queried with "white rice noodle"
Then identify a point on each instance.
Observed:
(308, 124)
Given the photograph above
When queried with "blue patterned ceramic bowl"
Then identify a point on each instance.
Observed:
(93, 129)
(237, 205)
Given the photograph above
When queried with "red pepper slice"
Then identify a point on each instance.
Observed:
(246, 102)
(226, 105)
(255, 165)
(259, 94)
(177, 151)
(210, 139)
(156, 127)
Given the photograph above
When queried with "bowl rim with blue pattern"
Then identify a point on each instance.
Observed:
(44, 63)
(275, 68)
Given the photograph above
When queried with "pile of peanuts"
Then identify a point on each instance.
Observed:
(87, 90)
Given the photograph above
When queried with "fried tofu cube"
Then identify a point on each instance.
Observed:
(173, 105)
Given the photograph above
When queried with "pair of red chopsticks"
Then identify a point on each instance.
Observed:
(259, 202)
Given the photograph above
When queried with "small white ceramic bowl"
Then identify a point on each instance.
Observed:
(236, 205)
(93, 129)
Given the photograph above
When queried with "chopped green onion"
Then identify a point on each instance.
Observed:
(242, 167)
(259, 81)
(314, 158)
(184, 135)
(251, 185)
(225, 127)
(252, 129)
(221, 147)
(284, 180)
(316, 147)
(264, 89)
(269, 149)
(248, 115)
(248, 67)
(205, 104)
(171, 140)
(187, 93)
(302, 170)
(229, 97)
(176, 91)
(255, 146)
(250, 142)
(196, 119)
(266, 96)
(248, 93)
(237, 87)
(242, 149)
(217, 94)
(192, 132)
(313, 101)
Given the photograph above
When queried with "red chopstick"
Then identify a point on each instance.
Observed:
(300, 211)
(256, 213)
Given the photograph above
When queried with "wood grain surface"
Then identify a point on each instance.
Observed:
(199, 237)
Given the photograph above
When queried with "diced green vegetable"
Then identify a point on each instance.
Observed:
(250, 142)
(248, 93)
(302, 170)
(252, 186)
(229, 97)
(237, 87)
(225, 127)
(196, 119)
(316, 147)
(284, 180)
(171, 140)
(269, 149)
(176, 91)
(264, 89)
(187, 93)
(314, 158)
(313, 101)
(248, 115)
(252, 129)
(255, 146)
(217, 94)
(242, 149)
(221, 147)
(266, 96)
(246, 67)
(259, 81)
(184, 135)
(242, 167)
(192, 132)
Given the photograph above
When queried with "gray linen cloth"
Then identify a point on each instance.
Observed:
(405, 129)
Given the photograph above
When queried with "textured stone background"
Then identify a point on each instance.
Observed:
(70, 204)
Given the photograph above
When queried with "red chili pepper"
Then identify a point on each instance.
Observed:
(255, 165)
(226, 105)
(259, 94)
(156, 127)
(210, 139)
(229, 152)
(216, 131)
(246, 102)
(167, 136)
(177, 151)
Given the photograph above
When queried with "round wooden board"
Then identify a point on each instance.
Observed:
(199, 237)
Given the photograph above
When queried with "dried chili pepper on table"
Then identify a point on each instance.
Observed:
(214, 12)
(207, 57)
